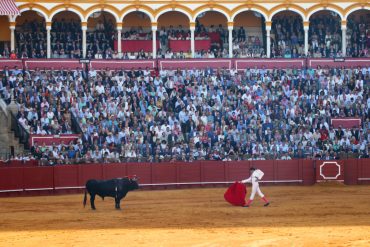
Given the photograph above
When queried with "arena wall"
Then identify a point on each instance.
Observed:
(21, 180)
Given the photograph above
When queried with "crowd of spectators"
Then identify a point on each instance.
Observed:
(358, 36)
(325, 36)
(31, 39)
(195, 114)
(287, 39)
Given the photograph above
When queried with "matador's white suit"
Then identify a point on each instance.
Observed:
(256, 176)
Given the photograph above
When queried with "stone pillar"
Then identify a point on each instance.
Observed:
(154, 35)
(192, 39)
(230, 26)
(84, 29)
(12, 36)
(268, 39)
(306, 27)
(344, 38)
(48, 40)
(119, 39)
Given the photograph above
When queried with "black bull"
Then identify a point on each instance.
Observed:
(117, 188)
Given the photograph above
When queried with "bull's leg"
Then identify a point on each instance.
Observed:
(92, 200)
(118, 202)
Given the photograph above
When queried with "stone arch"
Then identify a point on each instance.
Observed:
(148, 11)
(216, 8)
(246, 7)
(72, 8)
(33, 7)
(292, 7)
(350, 9)
(106, 8)
(168, 8)
(320, 7)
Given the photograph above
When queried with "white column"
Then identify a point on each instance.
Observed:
(268, 41)
(12, 38)
(48, 42)
(84, 28)
(119, 41)
(230, 41)
(344, 40)
(154, 31)
(192, 41)
(306, 28)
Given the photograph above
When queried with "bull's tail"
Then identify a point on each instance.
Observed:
(85, 197)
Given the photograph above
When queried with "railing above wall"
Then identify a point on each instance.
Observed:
(215, 63)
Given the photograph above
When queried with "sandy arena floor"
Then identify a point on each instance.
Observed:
(321, 215)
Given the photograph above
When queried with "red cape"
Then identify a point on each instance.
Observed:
(235, 194)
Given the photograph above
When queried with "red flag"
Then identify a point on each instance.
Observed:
(235, 194)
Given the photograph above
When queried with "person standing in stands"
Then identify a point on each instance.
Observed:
(256, 176)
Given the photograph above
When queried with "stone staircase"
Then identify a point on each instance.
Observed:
(8, 141)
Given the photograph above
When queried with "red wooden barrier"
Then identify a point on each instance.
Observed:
(288, 171)
(38, 178)
(114, 171)
(11, 179)
(308, 172)
(142, 170)
(89, 171)
(364, 171)
(62, 178)
(237, 170)
(351, 171)
(164, 173)
(66, 177)
(189, 172)
(330, 170)
(212, 171)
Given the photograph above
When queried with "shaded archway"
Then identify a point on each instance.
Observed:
(100, 35)
(66, 35)
(249, 34)
(213, 25)
(30, 35)
(173, 25)
(287, 35)
(357, 33)
(5, 36)
(325, 35)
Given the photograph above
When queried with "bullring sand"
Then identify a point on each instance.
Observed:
(320, 215)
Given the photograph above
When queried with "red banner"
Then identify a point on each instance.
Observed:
(185, 45)
(53, 64)
(11, 63)
(123, 64)
(51, 139)
(346, 123)
(195, 63)
(346, 62)
(251, 63)
(136, 45)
